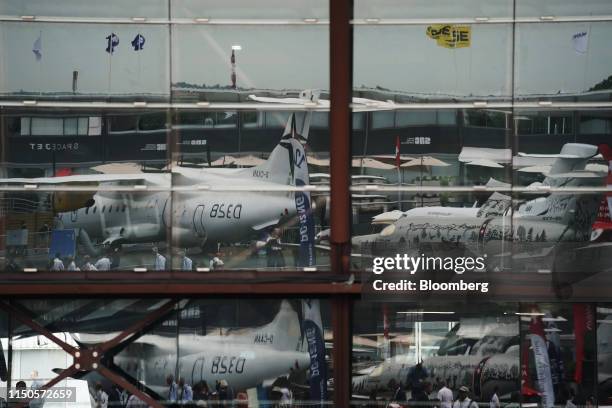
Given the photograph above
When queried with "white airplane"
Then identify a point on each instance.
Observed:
(244, 358)
(481, 355)
(208, 206)
(491, 229)
(217, 213)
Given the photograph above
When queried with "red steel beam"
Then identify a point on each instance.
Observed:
(24, 317)
(341, 324)
(176, 289)
(341, 52)
(140, 325)
(126, 385)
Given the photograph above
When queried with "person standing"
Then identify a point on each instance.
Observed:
(88, 266)
(100, 397)
(172, 388)
(274, 249)
(463, 401)
(58, 264)
(216, 263)
(494, 403)
(72, 265)
(415, 379)
(103, 264)
(186, 262)
(445, 395)
(184, 393)
(160, 260)
(115, 258)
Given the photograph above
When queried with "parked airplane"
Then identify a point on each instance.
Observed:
(244, 358)
(475, 353)
(544, 222)
(218, 212)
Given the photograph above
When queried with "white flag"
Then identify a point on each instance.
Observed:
(580, 41)
(37, 47)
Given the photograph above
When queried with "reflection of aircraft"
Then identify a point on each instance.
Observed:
(543, 222)
(244, 358)
(480, 354)
(207, 208)
(201, 216)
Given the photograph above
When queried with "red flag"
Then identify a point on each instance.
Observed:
(397, 152)
(583, 324)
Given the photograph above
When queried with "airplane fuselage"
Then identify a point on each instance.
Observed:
(195, 217)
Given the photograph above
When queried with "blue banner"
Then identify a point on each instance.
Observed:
(63, 242)
(313, 331)
(306, 227)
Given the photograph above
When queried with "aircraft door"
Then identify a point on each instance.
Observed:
(197, 372)
(198, 221)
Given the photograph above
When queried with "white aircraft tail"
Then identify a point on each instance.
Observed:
(576, 211)
(287, 162)
(283, 333)
(573, 157)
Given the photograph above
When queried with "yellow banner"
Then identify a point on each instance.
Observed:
(450, 36)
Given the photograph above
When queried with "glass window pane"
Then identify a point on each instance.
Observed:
(234, 202)
(70, 126)
(537, 8)
(22, 125)
(47, 126)
(440, 9)
(264, 9)
(582, 50)
(457, 147)
(86, 8)
(267, 60)
(83, 126)
(424, 353)
(61, 231)
(63, 68)
(414, 63)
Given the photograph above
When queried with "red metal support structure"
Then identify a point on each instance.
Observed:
(90, 358)
(340, 78)
(341, 82)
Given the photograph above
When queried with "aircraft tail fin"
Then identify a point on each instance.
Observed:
(573, 157)
(576, 211)
(283, 333)
(287, 162)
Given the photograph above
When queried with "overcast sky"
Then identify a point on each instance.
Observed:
(296, 57)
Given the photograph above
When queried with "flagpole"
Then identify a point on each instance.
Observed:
(40, 70)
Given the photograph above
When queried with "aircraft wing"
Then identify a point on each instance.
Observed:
(358, 104)
(155, 179)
